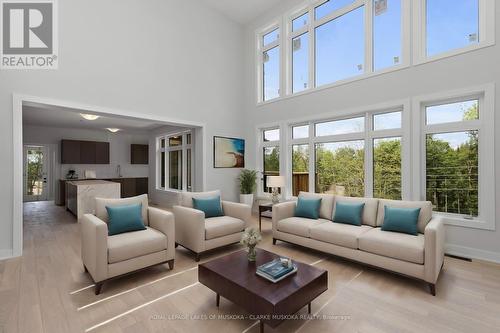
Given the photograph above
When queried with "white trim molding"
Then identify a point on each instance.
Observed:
(472, 253)
(6, 254)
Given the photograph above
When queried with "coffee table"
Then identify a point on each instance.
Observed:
(233, 277)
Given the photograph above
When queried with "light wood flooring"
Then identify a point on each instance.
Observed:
(46, 290)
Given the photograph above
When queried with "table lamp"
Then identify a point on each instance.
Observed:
(275, 182)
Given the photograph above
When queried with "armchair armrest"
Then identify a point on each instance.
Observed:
(434, 249)
(282, 211)
(164, 222)
(190, 228)
(95, 246)
(238, 210)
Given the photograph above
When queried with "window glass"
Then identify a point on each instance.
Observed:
(162, 169)
(386, 33)
(452, 162)
(340, 168)
(344, 126)
(329, 7)
(387, 168)
(385, 121)
(300, 132)
(189, 170)
(270, 37)
(175, 169)
(271, 68)
(300, 22)
(451, 25)
(175, 141)
(162, 143)
(271, 164)
(271, 135)
(300, 61)
(300, 169)
(448, 113)
(340, 48)
(188, 138)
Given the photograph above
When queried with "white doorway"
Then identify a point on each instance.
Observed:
(36, 168)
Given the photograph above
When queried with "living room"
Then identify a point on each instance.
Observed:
(341, 113)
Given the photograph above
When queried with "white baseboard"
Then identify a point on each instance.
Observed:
(472, 253)
(5, 254)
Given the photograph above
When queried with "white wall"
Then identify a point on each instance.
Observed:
(466, 70)
(169, 58)
(119, 150)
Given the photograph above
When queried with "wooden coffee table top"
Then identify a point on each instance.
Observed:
(233, 277)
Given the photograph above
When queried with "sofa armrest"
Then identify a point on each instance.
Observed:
(434, 249)
(95, 246)
(164, 222)
(238, 210)
(282, 211)
(190, 228)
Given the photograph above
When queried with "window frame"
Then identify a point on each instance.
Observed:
(260, 49)
(485, 127)
(184, 147)
(261, 192)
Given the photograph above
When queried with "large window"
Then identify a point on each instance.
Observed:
(387, 168)
(174, 161)
(452, 157)
(270, 155)
(331, 42)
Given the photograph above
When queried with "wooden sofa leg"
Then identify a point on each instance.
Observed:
(85, 268)
(197, 257)
(98, 287)
(176, 245)
(432, 287)
(171, 264)
(274, 241)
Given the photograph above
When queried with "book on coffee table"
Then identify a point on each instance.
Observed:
(275, 271)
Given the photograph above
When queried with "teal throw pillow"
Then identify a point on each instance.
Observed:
(348, 213)
(403, 220)
(125, 218)
(308, 208)
(210, 206)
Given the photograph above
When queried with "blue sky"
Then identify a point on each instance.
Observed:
(340, 43)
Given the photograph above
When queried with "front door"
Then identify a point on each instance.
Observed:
(35, 173)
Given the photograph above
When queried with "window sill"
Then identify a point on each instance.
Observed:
(465, 223)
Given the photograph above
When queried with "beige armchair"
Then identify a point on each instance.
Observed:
(198, 234)
(107, 257)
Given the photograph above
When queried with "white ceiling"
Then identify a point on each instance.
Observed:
(243, 11)
(54, 116)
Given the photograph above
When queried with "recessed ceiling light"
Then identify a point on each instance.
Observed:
(89, 116)
(113, 130)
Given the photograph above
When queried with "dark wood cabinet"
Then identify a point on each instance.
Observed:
(139, 154)
(141, 186)
(70, 152)
(102, 152)
(84, 152)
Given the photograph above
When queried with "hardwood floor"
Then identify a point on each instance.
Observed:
(47, 290)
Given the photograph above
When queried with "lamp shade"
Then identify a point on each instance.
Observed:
(275, 181)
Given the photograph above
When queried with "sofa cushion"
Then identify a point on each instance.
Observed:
(339, 234)
(102, 203)
(393, 244)
(135, 244)
(299, 226)
(348, 213)
(401, 220)
(220, 226)
(187, 197)
(369, 211)
(423, 218)
(210, 206)
(125, 218)
(326, 207)
(308, 208)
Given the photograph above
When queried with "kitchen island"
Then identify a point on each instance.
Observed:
(81, 194)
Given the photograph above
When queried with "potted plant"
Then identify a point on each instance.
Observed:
(247, 179)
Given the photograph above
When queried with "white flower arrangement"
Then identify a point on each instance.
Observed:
(250, 237)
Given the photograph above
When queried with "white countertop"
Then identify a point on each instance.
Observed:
(90, 182)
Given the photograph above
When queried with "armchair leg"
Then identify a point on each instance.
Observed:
(171, 264)
(85, 268)
(98, 287)
(176, 245)
(432, 287)
(197, 257)
(274, 241)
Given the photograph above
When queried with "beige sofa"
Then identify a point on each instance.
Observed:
(198, 234)
(106, 257)
(419, 257)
